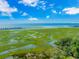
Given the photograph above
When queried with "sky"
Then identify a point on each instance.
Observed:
(39, 11)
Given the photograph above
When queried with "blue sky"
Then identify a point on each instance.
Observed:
(39, 11)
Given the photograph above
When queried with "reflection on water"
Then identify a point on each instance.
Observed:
(16, 49)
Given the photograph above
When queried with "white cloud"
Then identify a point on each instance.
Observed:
(39, 4)
(60, 12)
(32, 3)
(71, 11)
(5, 8)
(54, 11)
(24, 14)
(42, 5)
(47, 16)
(33, 19)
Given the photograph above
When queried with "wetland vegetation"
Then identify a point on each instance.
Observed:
(52, 43)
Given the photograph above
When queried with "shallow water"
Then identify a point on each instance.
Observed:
(15, 49)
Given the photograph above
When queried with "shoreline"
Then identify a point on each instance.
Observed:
(42, 27)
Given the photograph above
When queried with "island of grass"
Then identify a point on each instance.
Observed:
(51, 43)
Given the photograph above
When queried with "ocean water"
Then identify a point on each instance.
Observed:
(48, 25)
(41, 25)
